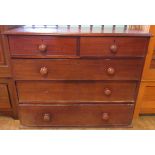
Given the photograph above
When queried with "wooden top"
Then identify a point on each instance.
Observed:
(75, 31)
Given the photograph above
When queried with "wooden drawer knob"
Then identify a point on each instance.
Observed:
(113, 49)
(105, 116)
(111, 71)
(46, 117)
(107, 92)
(42, 48)
(43, 71)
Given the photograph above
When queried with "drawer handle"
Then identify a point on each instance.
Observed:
(43, 71)
(113, 49)
(105, 116)
(42, 48)
(111, 71)
(107, 92)
(46, 117)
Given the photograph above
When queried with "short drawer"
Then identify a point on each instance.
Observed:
(75, 115)
(42, 46)
(75, 91)
(77, 69)
(113, 46)
(4, 97)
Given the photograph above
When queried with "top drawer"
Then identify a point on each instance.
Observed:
(42, 46)
(113, 46)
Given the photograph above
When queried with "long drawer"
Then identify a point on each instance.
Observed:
(75, 91)
(113, 46)
(75, 115)
(77, 69)
(42, 46)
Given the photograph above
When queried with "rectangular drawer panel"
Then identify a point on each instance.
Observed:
(113, 46)
(77, 69)
(31, 45)
(4, 97)
(148, 98)
(75, 91)
(76, 115)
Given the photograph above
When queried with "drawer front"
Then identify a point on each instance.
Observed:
(42, 46)
(75, 115)
(148, 98)
(4, 97)
(110, 46)
(75, 91)
(77, 69)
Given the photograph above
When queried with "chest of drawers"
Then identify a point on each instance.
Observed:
(76, 79)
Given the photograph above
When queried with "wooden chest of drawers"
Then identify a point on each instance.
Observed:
(76, 79)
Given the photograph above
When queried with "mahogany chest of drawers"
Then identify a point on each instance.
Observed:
(76, 79)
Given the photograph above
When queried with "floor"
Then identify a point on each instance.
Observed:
(143, 123)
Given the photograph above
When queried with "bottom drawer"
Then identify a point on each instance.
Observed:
(76, 114)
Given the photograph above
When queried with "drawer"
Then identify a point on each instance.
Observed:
(4, 97)
(42, 46)
(147, 99)
(75, 91)
(77, 69)
(75, 115)
(113, 46)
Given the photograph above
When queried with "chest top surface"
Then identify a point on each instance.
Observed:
(75, 31)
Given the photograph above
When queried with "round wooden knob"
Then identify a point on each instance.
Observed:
(113, 48)
(107, 92)
(105, 116)
(42, 48)
(43, 71)
(111, 71)
(46, 117)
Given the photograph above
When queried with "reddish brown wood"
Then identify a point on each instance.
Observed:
(8, 98)
(110, 70)
(105, 116)
(59, 31)
(75, 91)
(43, 71)
(105, 46)
(91, 80)
(42, 47)
(31, 45)
(46, 117)
(78, 69)
(76, 115)
(107, 91)
(4, 58)
(4, 97)
(114, 48)
(1, 53)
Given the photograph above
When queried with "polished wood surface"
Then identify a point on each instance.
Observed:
(145, 101)
(93, 75)
(113, 46)
(78, 32)
(1, 52)
(4, 56)
(4, 96)
(75, 91)
(148, 72)
(75, 115)
(31, 45)
(77, 69)
(8, 98)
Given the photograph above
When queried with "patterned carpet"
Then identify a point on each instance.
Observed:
(143, 123)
